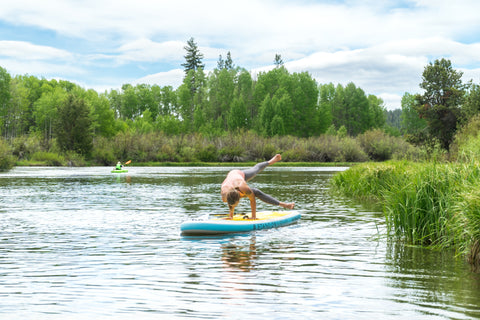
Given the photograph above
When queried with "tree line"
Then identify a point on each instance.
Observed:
(227, 100)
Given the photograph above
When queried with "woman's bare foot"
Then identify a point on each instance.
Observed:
(276, 158)
(287, 205)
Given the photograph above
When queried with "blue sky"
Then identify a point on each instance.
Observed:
(381, 46)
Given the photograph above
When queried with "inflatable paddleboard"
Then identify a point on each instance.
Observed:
(119, 171)
(208, 225)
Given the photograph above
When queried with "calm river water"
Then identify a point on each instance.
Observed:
(83, 243)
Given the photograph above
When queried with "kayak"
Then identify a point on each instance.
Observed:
(119, 171)
(208, 225)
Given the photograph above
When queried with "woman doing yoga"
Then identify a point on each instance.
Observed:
(235, 187)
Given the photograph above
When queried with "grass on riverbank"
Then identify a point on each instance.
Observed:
(48, 163)
(240, 147)
(433, 204)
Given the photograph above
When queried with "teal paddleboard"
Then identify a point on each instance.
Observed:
(208, 225)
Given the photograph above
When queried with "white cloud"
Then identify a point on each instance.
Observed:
(391, 101)
(148, 50)
(22, 50)
(172, 78)
(471, 74)
(41, 69)
(381, 46)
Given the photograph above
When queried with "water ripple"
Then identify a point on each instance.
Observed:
(82, 243)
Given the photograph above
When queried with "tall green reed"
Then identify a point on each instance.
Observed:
(420, 209)
(368, 181)
(466, 219)
(433, 204)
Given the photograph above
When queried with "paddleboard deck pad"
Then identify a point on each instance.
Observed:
(211, 225)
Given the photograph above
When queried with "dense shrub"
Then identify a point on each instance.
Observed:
(351, 151)
(187, 154)
(74, 159)
(103, 152)
(466, 144)
(7, 160)
(295, 154)
(229, 147)
(232, 154)
(166, 153)
(207, 153)
(331, 150)
(49, 158)
(24, 146)
(377, 144)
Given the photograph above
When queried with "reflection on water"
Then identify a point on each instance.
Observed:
(239, 256)
(82, 243)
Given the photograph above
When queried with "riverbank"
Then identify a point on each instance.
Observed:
(158, 149)
(29, 163)
(429, 204)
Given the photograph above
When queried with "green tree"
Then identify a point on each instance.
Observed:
(393, 122)
(168, 101)
(221, 85)
(277, 126)
(191, 101)
(129, 103)
(6, 112)
(148, 99)
(377, 113)
(34, 89)
(357, 117)
(412, 126)
(471, 107)
(244, 92)
(351, 108)
(193, 57)
(266, 115)
(441, 101)
(19, 110)
(326, 102)
(74, 130)
(102, 115)
(393, 118)
(284, 121)
(300, 89)
(193, 67)
(237, 115)
(144, 124)
(303, 92)
(339, 107)
(46, 109)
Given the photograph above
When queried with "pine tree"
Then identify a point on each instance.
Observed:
(193, 58)
(278, 61)
(220, 63)
(229, 62)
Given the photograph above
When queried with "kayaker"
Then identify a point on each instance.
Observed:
(119, 166)
(235, 187)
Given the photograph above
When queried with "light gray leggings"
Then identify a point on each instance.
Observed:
(250, 174)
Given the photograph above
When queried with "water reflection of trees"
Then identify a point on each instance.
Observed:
(240, 256)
